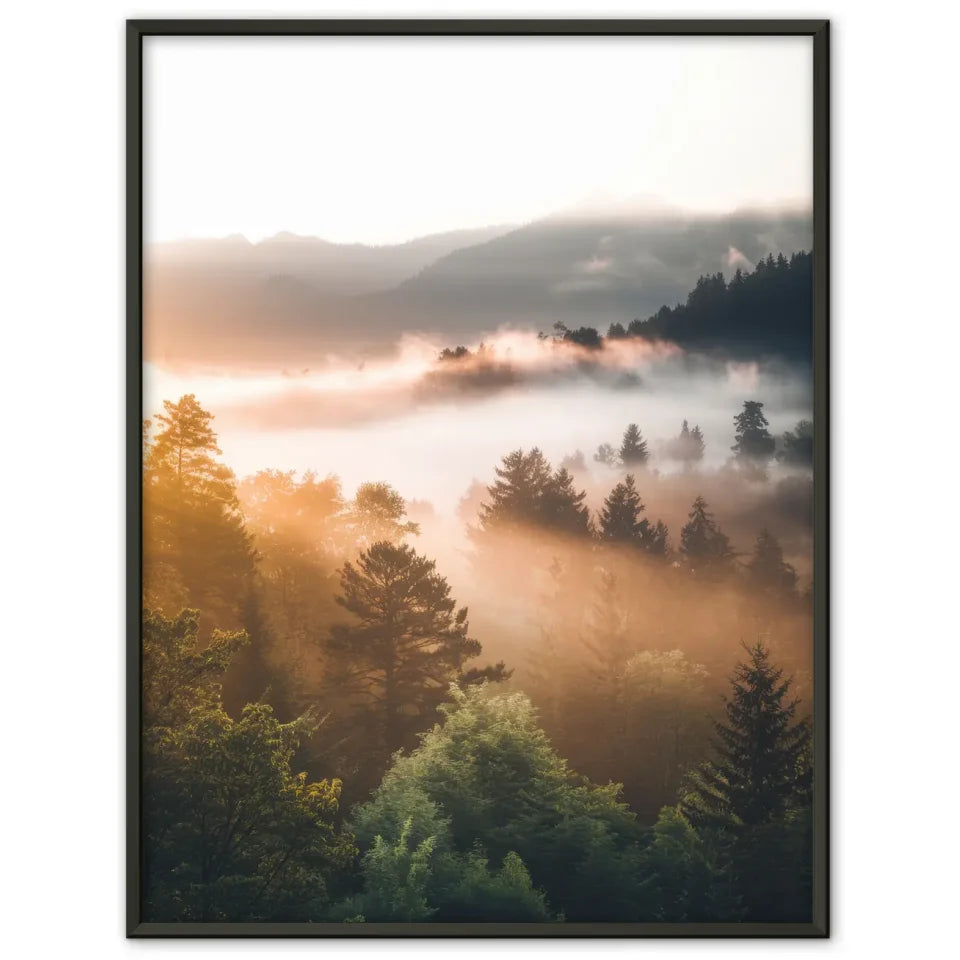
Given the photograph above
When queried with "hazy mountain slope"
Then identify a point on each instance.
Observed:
(331, 267)
(292, 300)
(588, 271)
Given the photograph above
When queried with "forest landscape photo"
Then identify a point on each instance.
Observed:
(478, 512)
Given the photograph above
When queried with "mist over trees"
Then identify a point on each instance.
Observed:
(330, 735)
(584, 698)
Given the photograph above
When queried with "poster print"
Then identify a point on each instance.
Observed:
(480, 459)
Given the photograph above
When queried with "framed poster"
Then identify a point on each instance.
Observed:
(478, 473)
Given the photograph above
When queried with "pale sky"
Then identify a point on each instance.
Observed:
(382, 139)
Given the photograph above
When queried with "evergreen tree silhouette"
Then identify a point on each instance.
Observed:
(526, 491)
(767, 572)
(562, 506)
(759, 771)
(797, 449)
(517, 493)
(754, 798)
(621, 521)
(620, 514)
(703, 544)
(689, 446)
(407, 643)
(197, 550)
(754, 445)
(633, 448)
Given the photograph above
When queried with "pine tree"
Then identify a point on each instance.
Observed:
(620, 514)
(633, 448)
(688, 447)
(703, 544)
(517, 493)
(754, 445)
(697, 444)
(197, 551)
(377, 513)
(562, 506)
(621, 521)
(407, 643)
(767, 572)
(760, 769)
(616, 331)
(754, 799)
(526, 492)
(654, 538)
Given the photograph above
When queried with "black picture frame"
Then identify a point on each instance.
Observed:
(819, 30)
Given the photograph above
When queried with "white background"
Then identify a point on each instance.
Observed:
(895, 531)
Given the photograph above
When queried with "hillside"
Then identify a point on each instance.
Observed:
(293, 300)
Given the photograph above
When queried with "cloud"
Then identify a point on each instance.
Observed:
(737, 259)
(349, 395)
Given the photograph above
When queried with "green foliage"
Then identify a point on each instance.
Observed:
(410, 880)
(490, 773)
(752, 803)
(760, 767)
(232, 833)
(685, 877)
(179, 675)
(407, 642)
(665, 729)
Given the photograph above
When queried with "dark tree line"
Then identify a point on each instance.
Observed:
(763, 313)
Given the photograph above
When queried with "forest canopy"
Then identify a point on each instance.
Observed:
(336, 729)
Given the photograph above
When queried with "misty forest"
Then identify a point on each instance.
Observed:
(431, 656)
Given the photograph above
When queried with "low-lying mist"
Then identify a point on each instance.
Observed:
(433, 427)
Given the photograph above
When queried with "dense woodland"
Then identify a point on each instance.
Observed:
(617, 728)
(732, 319)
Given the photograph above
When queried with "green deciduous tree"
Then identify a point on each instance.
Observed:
(490, 776)
(230, 832)
(377, 513)
(179, 674)
(665, 728)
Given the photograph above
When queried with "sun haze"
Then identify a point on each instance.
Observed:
(378, 140)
